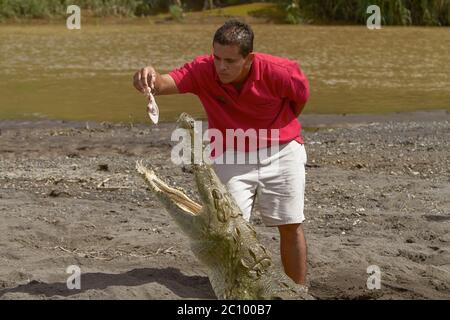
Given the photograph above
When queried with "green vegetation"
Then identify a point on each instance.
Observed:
(176, 12)
(240, 10)
(394, 12)
(18, 9)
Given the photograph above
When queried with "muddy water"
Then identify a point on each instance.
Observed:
(52, 72)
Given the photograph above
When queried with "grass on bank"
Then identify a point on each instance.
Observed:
(37, 13)
(394, 12)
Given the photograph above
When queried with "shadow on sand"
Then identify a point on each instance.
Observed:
(186, 287)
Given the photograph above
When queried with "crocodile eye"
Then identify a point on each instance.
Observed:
(216, 194)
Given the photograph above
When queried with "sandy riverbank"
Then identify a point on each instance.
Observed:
(377, 194)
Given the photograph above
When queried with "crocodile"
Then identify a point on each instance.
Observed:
(237, 264)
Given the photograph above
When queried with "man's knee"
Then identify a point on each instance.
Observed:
(290, 229)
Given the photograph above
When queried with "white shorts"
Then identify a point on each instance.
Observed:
(278, 179)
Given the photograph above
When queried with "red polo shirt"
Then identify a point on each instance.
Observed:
(268, 99)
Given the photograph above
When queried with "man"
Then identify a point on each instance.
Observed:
(242, 90)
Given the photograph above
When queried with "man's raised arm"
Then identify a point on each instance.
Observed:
(161, 83)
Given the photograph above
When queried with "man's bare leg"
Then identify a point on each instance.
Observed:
(293, 251)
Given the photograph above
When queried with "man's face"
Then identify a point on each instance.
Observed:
(230, 65)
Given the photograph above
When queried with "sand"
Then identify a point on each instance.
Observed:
(377, 194)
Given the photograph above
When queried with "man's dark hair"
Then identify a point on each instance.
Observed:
(235, 32)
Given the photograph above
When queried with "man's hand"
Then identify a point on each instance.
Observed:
(144, 79)
(159, 83)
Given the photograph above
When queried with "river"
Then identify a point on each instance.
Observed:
(48, 71)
